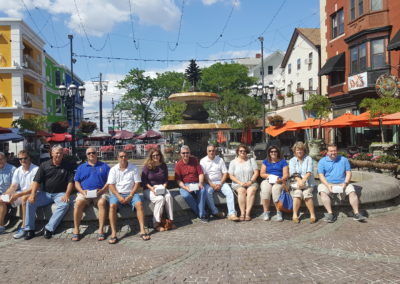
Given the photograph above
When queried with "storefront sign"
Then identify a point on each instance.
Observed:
(358, 81)
(387, 86)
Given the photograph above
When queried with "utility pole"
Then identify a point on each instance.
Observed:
(261, 39)
(113, 115)
(71, 37)
(101, 103)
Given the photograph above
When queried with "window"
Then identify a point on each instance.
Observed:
(58, 108)
(298, 64)
(289, 88)
(270, 70)
(310, 56)
(310, 84)
(58, 78)
(358, 59)
(337, 21)
(378, 55)
(376, 5)
(360, 7)
(337, 78)
(352, 9)
(289, 68)
(298, 86)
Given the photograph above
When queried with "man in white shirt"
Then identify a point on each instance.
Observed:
(124, 180)
(216, 173)
(20, 187)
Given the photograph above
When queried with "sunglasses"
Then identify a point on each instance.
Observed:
(91, 153)
(242, 151)
(156, 155)
(23, 158)
(122, 157)
(273, 151)
(185, 153)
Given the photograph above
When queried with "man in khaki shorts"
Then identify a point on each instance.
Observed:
(91, 177)
(335, 174)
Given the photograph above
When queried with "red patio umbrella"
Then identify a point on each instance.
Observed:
(277, 130)
(60, 137)
(4, 130)
(221, 137)
(149, 134)
(246, 136)
(123, 135)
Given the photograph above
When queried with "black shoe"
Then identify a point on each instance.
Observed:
(29, 235)
(47, 234)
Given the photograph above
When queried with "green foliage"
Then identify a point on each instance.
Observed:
(173, 112)
(321, 106)
(34, 123)
(193, 74)
(87, 127)
(386, 159)
(385, 105)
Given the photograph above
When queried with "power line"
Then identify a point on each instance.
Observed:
(179, 30)
(136, 44)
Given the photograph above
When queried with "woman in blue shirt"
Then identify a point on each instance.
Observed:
(275, 171)
(301, 169)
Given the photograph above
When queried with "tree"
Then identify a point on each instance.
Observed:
(380, 106)
(231, 82)
(34, 123)
(139, 101)
(321, 106)
(193, 74)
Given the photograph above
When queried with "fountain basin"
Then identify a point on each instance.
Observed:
(194, 127)
(193, 97)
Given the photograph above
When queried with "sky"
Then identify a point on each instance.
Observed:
(156, 35)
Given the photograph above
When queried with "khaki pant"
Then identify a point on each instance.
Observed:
(159, 201)
(268, 190)
(303, 193)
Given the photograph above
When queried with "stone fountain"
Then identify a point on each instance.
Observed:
(195, 128)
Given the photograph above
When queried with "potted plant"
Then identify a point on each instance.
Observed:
(289, 95)
(275, 120)
(300, 90)
(274, 103)
(280, 97)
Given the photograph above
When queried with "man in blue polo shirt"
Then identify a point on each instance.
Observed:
(335, 175)
(91, 176)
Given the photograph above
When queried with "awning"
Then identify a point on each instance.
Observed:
(334, 64)
(60, 137)
(394, 43)
(275, 131)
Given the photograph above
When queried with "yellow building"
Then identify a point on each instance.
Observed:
(22, 76)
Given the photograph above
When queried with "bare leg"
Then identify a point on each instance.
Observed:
(102, 205)
(310, 206)
(242, 200)
(353, 199)
(140, 217)
(265, 203)
(3, 212)
(113, 219)
(326, 201)
(296, 207)
(78, 213)
(251, 193)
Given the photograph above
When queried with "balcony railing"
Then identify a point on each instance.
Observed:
(296, 99)
(30, 63)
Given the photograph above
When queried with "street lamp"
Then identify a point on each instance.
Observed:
(271, 88)
(259, 90)
(69, 93)
(261, 39)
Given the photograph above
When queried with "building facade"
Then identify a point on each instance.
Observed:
(357, 38)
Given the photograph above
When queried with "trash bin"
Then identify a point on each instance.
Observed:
(260, 151)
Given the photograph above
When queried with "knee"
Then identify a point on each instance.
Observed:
(241, 191)
(102, 203)
(251, 191)
(139, 205)
(113, 207)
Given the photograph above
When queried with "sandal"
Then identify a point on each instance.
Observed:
(113, 241)
(76, 237)
(158, 227)
(242, 218)
(144, 237)
(101, 237)
(313, 220)
(247, 218)
(296, 220)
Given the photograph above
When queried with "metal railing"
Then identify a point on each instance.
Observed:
(295, 99)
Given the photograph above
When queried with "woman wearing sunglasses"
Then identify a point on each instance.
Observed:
(243, 171)
(155, 179)
(275, 172)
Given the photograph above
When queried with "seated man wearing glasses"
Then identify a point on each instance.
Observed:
(190, 178)
(91, 184)
(215, 174)
(55, 178)
(123, 182)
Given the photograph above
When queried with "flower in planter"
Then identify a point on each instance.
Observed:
(289, 95)
(280, 97)
(300, 90)
(147, 147)
(274, 103)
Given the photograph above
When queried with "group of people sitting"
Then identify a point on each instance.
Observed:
(95, 182)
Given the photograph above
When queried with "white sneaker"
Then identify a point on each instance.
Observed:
(266, 216)
(19, 234)
(279, 217)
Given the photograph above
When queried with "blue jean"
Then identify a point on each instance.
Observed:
(196, 200)
(43, 199)
(227, 191)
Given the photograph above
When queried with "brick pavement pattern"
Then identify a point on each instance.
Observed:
(218, 252)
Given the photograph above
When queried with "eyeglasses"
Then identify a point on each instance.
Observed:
(242, 151)
(23, 158)
(91, 153)
(185, 153)
(122, 157)
(273, 151)
(156, 155)
(211, 151)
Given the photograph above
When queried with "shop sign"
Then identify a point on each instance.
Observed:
(358, 81)
(387, 86)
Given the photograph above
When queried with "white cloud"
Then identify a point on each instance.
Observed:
(100, 16)
(234, 54)
(236, 3)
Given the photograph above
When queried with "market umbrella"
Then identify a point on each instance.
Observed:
(393, 116)
(123, 135)
(221, 137)
(246, 136)
(364, 120)
(98, 135)
(310, 122)
(4, 130)
(60, 137)
(149, 134)
(340, 121)
(277, 130)
(13, 136)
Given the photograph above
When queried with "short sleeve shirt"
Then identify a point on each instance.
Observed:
(334, 170)
(275, 168)
(53, 178)
(188, 172)
(125, 179)
(158, 175)
(297, 166)
(242, 171)
(214, 169)
(24, 178)
(92, 177)
(6, 174)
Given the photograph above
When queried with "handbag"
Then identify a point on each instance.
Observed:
(285, 202)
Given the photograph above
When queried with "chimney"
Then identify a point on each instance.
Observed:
(258, 55)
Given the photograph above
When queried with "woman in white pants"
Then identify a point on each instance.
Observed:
(154, 179)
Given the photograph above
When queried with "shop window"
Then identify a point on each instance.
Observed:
(337, 23)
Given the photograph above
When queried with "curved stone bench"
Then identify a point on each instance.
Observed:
(370, 187)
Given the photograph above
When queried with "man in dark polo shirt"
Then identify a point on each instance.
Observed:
(56, 181)
(190, 178)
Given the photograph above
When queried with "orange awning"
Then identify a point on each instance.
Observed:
(310, 122)
(365, 120)
(340, 121)
(277, 130)
(393, 116)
